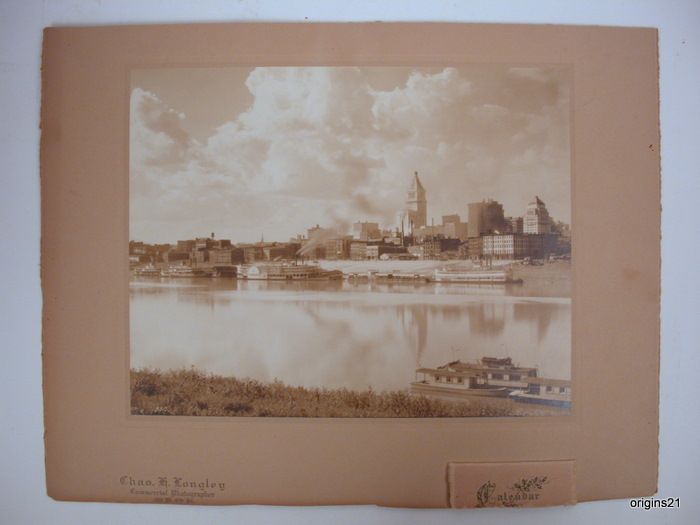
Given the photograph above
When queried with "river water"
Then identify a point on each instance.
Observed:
(340, 334)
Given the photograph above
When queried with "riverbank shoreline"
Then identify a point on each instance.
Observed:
(551, 279)
(188, 392)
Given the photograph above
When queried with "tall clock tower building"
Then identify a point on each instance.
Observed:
(416, 204)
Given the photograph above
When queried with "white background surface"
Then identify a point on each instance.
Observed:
(22, 490)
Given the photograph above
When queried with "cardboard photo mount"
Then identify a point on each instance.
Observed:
(97, 451)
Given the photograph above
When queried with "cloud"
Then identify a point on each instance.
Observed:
(157, 134)
(423, 111)
(321, 145)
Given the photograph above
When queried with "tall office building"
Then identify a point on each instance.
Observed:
(485, 217)
(416, 204)
(537, 219)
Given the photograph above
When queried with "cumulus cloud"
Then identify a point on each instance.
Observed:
(157, 134)
(321, 145)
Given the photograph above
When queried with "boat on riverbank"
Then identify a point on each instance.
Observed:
(184, 272)
(147, 271)
(486, 276)
(389, 276)
(498, 371)
(545, 391)
(446, 381)
(492, 377)
(288, 272)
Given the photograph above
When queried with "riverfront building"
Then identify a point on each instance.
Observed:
(366, 231)
(281, 251)
(358, 250)
(514, 225)
(451, 228)
(454, 228)
(440, 247)
(338, 247)
(512, 246)
(382, 251)
(225, 256)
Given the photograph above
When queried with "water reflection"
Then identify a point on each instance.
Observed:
(340, 334)
(541, 317)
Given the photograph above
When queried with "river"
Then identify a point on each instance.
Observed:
(340, 334)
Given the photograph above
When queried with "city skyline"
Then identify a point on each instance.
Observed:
(289, 148)
(349, 231)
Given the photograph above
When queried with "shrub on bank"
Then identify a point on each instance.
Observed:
(193, 393)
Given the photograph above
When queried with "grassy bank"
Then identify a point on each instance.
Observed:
(193, 393)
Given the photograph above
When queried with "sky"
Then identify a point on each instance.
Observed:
(252, 152)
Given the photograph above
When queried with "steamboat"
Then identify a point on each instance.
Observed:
(486, 276)
(287, 272)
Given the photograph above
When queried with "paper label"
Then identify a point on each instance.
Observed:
(516, 484)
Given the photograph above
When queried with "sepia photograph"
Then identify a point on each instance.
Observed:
(356, 242)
